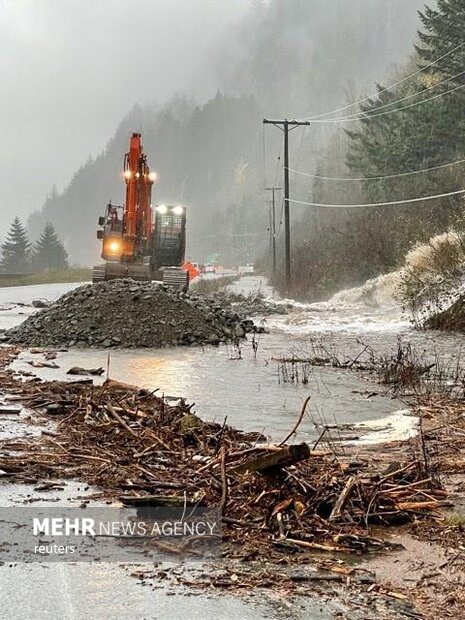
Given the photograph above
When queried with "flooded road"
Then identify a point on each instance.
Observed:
(245, 388)
(244, 385)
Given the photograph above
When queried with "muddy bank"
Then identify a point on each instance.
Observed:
(452, 319)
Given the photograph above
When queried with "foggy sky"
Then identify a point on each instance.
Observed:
(71, 69)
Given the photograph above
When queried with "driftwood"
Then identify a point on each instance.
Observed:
(298, 423)
(280, 458)
(5, 409)
(174, 501)
(342, 499)
(128, 442)
(112, 383)
(117, 417)
(78, 370)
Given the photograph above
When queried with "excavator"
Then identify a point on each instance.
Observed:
(139, 242)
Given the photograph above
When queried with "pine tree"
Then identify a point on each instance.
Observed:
(428, 131)
(442, 40)
(15, 249)
(49, 252)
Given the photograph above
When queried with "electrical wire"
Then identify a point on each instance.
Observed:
(377, 204)
(387, 88)
(386, 176)
(392, 103)
(363, 116)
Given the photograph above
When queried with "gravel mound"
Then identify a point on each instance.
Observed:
(126, 313)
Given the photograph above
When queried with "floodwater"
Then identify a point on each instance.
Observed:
(243, 386)
(222, 382)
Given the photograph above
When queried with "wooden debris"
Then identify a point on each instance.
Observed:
(280, 458)
(77, 370)
(280, 499)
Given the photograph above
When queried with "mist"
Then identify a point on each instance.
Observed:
(80, 76)
(71, 70)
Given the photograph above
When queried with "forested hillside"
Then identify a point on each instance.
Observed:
(408, 142)
(288, 57)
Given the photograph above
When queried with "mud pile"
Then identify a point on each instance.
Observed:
(451, 319)
(125, 313)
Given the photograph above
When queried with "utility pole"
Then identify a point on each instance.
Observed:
(286, 125)
(273, 191)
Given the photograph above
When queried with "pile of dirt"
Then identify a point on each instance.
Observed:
(452, 319)
(127, 313)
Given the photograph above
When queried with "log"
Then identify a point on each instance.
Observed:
(112, 383)
(118, 418)
(7, 410)
(280, 458)
(342, 499)
(432, 505)
(318, 547)
(156, 500)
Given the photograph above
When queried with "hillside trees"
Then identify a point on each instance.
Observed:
(19, 256)
(15, 249)
(419, 124)
(49, 252)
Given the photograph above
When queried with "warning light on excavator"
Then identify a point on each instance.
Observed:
(153, 176)
(127, 174)
(114, 246)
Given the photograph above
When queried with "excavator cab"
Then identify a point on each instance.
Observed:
(111, 232)
(169, 236)
(169, 245)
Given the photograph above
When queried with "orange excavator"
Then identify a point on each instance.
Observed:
(137, 241)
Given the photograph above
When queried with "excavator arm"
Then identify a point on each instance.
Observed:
(135, 244)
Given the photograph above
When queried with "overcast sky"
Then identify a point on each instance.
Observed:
(71, 69)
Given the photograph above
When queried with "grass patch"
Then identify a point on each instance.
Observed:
(46, 277)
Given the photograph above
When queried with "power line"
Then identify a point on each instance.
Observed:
(383, 90)
(363, 116)
(392, 103)
(386, 176)
(377, 204)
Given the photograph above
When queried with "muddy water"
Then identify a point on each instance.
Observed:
(225, 382)
(248, 392)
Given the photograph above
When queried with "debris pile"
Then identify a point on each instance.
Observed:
(273, 498)
(127, 313)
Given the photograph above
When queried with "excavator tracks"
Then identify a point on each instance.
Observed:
(115, 271)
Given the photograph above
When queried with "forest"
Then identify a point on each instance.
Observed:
(293, 59)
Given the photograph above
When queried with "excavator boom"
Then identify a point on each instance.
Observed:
(136, 243)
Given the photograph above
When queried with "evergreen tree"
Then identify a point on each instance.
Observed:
(428, 131)
(15, 249)
(443, 34)
(49, 252)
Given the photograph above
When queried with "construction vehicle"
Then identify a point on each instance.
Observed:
(138, 242)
